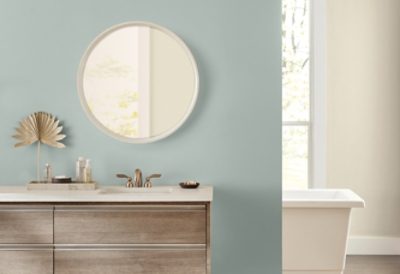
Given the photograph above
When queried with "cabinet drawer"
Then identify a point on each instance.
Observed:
(26, 225)
(130, 225)
(26, 261)
(130, 261)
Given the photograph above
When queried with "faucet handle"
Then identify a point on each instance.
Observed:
(148, 183)
(123, 176)
(129, 183)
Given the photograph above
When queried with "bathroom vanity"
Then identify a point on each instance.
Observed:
(129, 91)
(163, 230)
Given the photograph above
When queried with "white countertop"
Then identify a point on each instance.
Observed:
(108, 194)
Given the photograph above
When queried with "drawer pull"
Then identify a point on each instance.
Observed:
(25, 247)
(74, 247)
(25, 209)
(131, 208)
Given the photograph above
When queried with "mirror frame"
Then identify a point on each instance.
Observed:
(81, 92)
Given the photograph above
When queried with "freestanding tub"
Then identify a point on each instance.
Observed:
(315, 229)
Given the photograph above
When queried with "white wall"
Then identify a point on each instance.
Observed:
(364, 110)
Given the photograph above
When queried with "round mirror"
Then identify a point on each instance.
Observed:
(138, 82)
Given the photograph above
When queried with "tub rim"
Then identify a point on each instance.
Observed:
(350, 200)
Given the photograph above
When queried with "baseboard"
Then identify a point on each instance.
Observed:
(365, 245)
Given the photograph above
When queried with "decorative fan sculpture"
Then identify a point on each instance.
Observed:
(40, 127)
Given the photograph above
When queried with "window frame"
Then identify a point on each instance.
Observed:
(318, 95)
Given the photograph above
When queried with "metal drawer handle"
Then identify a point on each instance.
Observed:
(108, 247)
(25, 247)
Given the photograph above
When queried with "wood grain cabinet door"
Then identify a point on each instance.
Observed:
(26, 261)
(157, 224)
(26, 225)
(130, 261)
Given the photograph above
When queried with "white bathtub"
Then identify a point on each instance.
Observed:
(315, 229)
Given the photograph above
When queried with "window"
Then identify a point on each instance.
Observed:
(304, 93)
(296, 131)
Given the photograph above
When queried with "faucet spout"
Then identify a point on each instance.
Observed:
(138, 178)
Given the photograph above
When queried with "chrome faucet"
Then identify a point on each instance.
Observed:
(148, 183)
(138, 180)
(129, 183)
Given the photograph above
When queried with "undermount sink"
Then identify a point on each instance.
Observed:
(125, 190)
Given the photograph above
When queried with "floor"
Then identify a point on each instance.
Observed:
(372, 265)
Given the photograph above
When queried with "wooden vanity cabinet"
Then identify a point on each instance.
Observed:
(130, 224)
(21, 224)
(128, 261)
(131, 238)
(26, 239)
(86, 238)
(26, 260)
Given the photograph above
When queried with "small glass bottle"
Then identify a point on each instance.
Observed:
(48, 173)
(80, 169)
(88, 172)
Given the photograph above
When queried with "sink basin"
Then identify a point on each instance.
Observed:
(124, 190)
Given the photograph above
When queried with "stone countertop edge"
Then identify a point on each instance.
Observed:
(20, 194)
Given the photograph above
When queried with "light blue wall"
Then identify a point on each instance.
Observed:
(232, 140)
